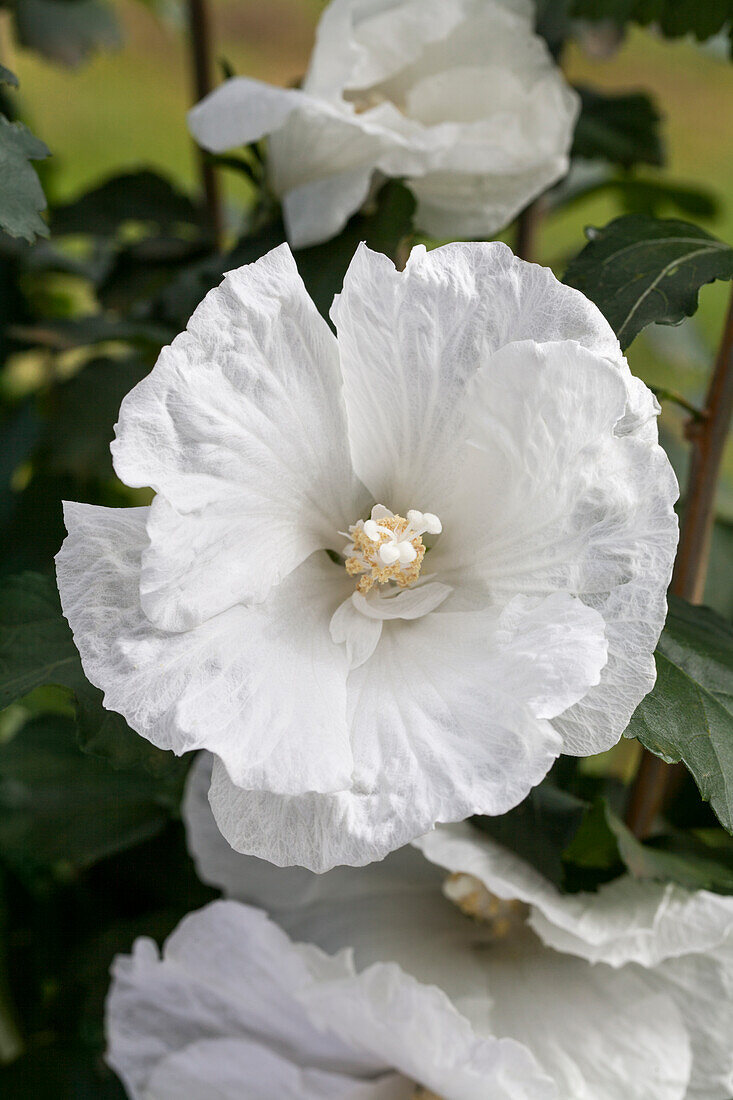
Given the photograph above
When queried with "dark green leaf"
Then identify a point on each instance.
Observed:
(688, 715)
(143, 196)
(641, 271)
(539, 829)
(21, 195)
(82, 415)
(603, 843)
(703, 18)
(36, 648)
(61, 1071)
(323, 267)
(97, 328)
(66, 33)
(622, 129)
(6, 77)
(61, 810)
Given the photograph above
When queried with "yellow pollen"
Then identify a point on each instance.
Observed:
(473, 899)
(368, 562)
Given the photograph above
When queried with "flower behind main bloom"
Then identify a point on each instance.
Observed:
(622, 994)
(388, 577)
(459, 97)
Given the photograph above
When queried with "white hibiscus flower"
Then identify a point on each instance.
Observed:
(459, 97)
(437, 666)
(620, 995)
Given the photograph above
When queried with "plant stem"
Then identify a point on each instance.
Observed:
(707, 434)
(199, 28)
(663, 394)
(527, 225)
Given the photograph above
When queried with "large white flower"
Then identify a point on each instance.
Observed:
(459, 97)
(625, 994)
(350, 708)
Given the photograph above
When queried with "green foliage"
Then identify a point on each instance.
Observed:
(66, 32)
(605, 847)
(37, 648)
(144, 197)
(21, 194)
(673, 17)
(640, 271)
(61, 810)
(80, 415)
(540, 829)
(688, 716)
(622, 129)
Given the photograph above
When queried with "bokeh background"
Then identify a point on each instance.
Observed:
(88, 862)
(123, 106)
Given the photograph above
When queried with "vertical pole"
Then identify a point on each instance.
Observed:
(199, 31)
(707, 436)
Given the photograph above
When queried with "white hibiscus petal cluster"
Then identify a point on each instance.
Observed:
(458, 97)
(624, 994)
(388, 575)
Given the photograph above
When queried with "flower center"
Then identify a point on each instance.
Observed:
(388, 548)
(473, 899)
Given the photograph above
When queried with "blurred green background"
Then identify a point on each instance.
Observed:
(126, 108)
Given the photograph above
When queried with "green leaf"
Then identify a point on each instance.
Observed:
(323, 267)
(37, 648)
(82, 414)
(673, 17)
(639, 271)
(145, 197)
(6, 77)
(61, 1071)
(688, 715)
(622, 129)
(539, 829)
(61, 811)
(603, 843)
(67, 33)
(21, 194)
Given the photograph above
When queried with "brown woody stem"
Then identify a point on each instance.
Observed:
(199, 26)
(707, 435)
(528, 223)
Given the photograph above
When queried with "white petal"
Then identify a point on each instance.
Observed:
(624, 921)
(702, 988)
(240, 429)
(405, 603)
(598, 1032)
(240, 111)
(559, 499)
(226, 972)
(445, 720)
(410, 342)
(359, 633)
(422, 1034)
(294, 895)
(243, 1069)
(264, 688)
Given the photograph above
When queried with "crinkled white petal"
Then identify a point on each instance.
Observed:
(245, 1069)
(624, 921)
(702, 988)
(411, 341)
(240, 429)
(598, 1032)
(422, 1034)
(228, 973)
(264, 688)
(555, 497)
(448, 717)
